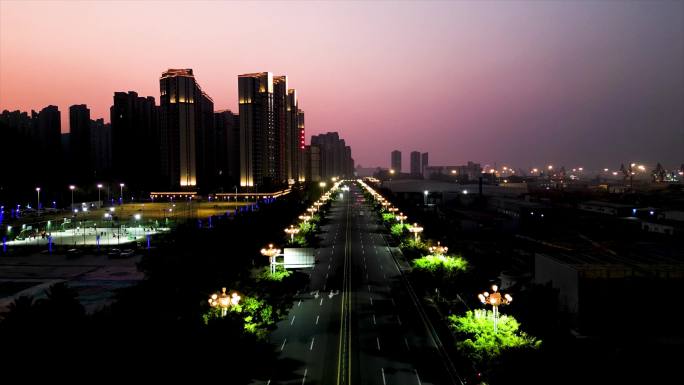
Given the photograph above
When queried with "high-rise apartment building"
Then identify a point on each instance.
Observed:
(79, 143)
(336, 160)
(298, 158)
(424, 162)
(227, 148)
(258, 140)
(101, 148)
(184, 111)
(396, 161)
(280, 120)
(415, 164)
(135, 140)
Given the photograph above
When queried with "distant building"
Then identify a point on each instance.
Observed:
(312, 160)
(227, 126)
(301, 145)
(100, 148)
(336, 157)
(396, 161)
(135, 140)
(79, 139)
(415, 164)
(424, 161)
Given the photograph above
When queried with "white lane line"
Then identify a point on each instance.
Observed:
(317, 319)
(305, 372)
(371, 300)
(293, 318)
(326, 275)
(377, 340)
(312, 342)
(384, 276)
(374, 320)
(369, 288)
(406, 343)
(324, 285)
(366, 276)
(382, 370)
(268, 382)
(393, 304)
(321, 304)
(381, 267)
(417, 377)
(283, 345)
(328, 266)
(299, 303)
(399, 320)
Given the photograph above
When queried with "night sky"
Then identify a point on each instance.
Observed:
(582, 83)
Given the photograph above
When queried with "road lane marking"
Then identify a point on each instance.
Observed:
(369, 288)
(371, 300)
(306, 370)
(382, 370)
(312, 342)
(399, 319)
(374, 320)
(406, 343)
(293, 318)
(417, 377)
(377, 340)
(317, 319)
(299, 303)
(393, 304)
(283, 345)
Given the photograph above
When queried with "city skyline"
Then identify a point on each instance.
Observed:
(521, 83)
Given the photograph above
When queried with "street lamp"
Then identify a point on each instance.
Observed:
(425, 194)
(121, 186)
(438, 250)
(224, 301)
(401, 218)
(270, 253)
(305, 218)
(292, 231)
(38, 202)
(495, 299)
(415, 229)
(392, 210)
(99, 190)
(72, 188)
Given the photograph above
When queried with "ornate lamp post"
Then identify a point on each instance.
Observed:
(270, 253)
(292, 231)
(392, 210)
(438, 250)
(495, 299)
(72, 188)
(401, 218)
(224, 301)
(305, 218)
(415, 229)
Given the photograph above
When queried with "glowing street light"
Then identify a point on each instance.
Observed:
(495, 299)
(38, 203)
(224, 301)
(415, 229)
(401, 218)
(392, 210)
(121, 186)
(270, 253)
(438, 250)
(99, 190)
(304, 218)
(292, 231)
(72, 188)
(425, 195)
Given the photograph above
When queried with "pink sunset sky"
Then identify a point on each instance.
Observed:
(581, 83)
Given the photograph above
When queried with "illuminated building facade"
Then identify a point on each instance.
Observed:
(396, 161)
(258, 140)
(182, 108)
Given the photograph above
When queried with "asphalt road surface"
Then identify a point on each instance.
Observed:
(357, 322)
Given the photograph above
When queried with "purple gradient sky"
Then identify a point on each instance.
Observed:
(522, 83)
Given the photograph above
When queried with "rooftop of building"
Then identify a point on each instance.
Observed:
(178, 72)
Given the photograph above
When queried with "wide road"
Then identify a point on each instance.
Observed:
(357, 322)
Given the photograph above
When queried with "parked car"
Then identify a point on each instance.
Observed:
(74, 253)
(114, 253)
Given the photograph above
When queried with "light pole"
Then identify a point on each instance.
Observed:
(495, 299)
(322, 185)
(292, 231)
(72, 188)
(137, 221)
(305, 218)
(224, 301)
(121, 186)
(99, 190)
(270, 253)
(415, 229)
(391, 172)
(38, 202)
(425, 194)
(401, 218)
